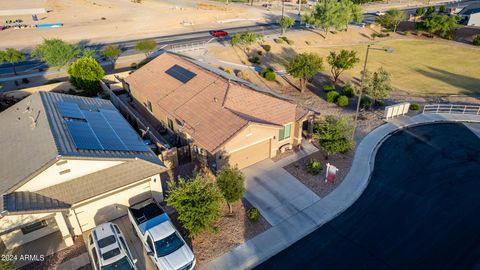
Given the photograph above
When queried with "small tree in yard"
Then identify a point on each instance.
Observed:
(419, 11)
(146, 46)
(56, 52)
(197, 202)
(111, 53)
(12, 56)
(85, 73)
(392, 18)
(377, 85)
(245, 39)
(342, 61)
(304, 67)
(286, 22)
(325, 15)
(334, 135)
(231, 181)
(442, 25)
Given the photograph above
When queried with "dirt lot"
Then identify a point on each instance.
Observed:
(113, 20)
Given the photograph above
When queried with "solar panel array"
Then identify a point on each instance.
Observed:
(100, 130)
(180, 73)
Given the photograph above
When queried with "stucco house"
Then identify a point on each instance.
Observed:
(68, 163)
(224, 119)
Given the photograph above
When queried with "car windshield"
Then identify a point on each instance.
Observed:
(122, 264)
(106, 241)
(168, 245)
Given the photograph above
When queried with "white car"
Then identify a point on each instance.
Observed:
(108, 249)
(380, 13)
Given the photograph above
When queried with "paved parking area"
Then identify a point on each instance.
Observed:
(275, 192)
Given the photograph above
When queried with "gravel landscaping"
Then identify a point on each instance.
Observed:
(317, 183)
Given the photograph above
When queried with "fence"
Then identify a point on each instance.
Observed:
(452, 109)
(396, 110)
(188, 47)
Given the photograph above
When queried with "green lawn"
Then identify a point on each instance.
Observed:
(423, 67)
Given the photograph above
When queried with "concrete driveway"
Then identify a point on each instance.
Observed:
(274, 191)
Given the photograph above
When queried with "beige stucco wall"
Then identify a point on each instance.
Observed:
(90, 213)
(51, 176)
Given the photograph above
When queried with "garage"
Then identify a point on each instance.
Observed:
(111, 206)
(250, 155)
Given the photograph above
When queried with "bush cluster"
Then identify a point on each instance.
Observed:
(414, 107)
(476, 40)
(314, 167)
(348, 90)
(266, 47)
(379, 103)
(254, 60)
(342, 101)
(381, 35)
(366, 103)
(268, 74)
(278, 40)
(328, 88)
(332, 96)
(253, 214)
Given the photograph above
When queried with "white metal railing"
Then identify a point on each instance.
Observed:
(188, 47)
(450, 108)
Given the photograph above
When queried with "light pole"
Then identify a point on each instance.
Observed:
(369, 47)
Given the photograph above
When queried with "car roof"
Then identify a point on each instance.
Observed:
(102, 231)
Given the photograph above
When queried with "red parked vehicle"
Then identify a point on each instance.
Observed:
(219, 33)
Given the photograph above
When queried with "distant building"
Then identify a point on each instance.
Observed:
(470, 15)
(67, 164)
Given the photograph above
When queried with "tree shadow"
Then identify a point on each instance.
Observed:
(468, 84)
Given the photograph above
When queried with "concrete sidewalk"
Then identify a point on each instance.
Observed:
(284, 234)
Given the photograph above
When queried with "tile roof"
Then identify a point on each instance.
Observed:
(25, 201)
(212, 106)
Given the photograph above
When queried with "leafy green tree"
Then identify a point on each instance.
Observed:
(245, 39)
(419, 11)
(334, 135)
(325, 15)
(88, 52)
(377, 85)
(12, 56)
(146, 46)
(6, 265)
(111, 53)
(286, 22)
(56, 52)
(231, 181)
(197, 202)
(430, 10)
(342, 61)
(85, 73)
(392, 18)
(348, 12)
(442, 25)
(304, 66)
(442, 9)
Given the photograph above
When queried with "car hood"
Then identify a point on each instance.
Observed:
(177, 259)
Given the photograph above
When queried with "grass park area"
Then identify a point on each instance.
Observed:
(419, 66)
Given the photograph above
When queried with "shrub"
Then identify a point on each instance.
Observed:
(366, 103)
(264, 71)
(332, 96)
(85, 74)
(430, 10)
(442, 9)
(284, 39)
(266, 47)
(290, 42)
(414, 107)
(308, 42)
(314, 167)
(253, 214)
(476, 40)
(270, 76)
(278, 40)
(379, 103)
(260, 52)
(342, 101)
(348, 90)
(227, 70)
(134, 66)
(243, 75)
(254, 60)
(328, 88)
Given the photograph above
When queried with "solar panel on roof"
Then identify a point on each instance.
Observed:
(83, 136)
(69, 109)
(180, 73)
(123, 130)
(105, 134)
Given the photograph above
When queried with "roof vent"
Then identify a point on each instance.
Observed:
(215, 99)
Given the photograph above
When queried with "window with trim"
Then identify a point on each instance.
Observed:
(149, 106)
(34, 226)
(285, 132)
